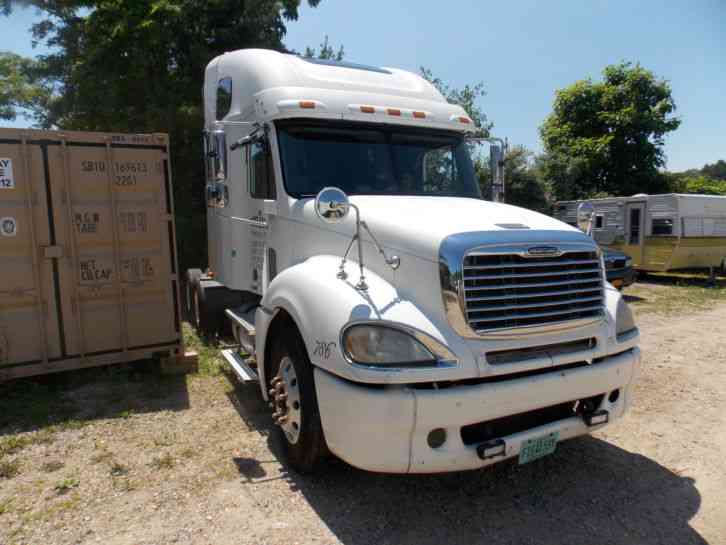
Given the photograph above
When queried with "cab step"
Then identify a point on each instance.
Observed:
(240, 366)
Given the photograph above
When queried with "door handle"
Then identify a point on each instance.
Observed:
(254, 223)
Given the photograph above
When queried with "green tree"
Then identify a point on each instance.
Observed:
(20, 86)
(522, 180)
(607, 136)
(717, 170)
(139, 67)
(465, 97)
(326, 52)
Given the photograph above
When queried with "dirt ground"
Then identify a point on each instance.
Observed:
(125, 456)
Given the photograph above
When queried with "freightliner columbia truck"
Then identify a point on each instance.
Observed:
(392, 316)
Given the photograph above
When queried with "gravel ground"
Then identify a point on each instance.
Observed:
(123, 456)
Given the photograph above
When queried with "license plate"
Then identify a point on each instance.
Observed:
(532, 449)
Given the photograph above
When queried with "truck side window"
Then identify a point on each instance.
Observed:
(262, 185)
(224, 97)
(662, 226)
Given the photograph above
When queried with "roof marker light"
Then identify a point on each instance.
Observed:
(307, 104)
(368, 109)
(393, 111)
(419, 115)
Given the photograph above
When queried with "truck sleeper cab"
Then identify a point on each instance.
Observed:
(391, 315)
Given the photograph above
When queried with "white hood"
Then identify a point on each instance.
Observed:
(417, 225)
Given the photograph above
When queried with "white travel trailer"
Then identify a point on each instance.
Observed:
(391, 315)
(659, 232)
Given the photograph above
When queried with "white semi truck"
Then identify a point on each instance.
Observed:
(392, 316)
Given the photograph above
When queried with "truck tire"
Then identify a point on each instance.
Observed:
(208, 310)
(301, 432)
(192, 280)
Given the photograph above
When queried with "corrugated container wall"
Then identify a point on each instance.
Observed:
(87, 251)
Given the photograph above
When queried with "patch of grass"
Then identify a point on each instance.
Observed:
(101, 457)
(5, 506)
(165, 440)
(210, 361)
(128, 413)
(9, 468)
(66, 485)
(117, 469)
(665, 297)
(188, 452)
(51, 466)
(13, 444)
(166, 461)
(124, 484)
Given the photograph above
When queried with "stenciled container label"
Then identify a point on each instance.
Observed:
(7, 181)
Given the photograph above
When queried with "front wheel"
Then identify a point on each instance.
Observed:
(295, 403)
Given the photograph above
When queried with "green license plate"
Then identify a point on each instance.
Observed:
(532, 449)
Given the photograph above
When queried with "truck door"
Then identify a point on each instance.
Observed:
(635, 231)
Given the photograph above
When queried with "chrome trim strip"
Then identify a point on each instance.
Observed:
(534, 314)
(536, 305)
(531, 275)
(533, 264)
(455, 247)
(536, 284)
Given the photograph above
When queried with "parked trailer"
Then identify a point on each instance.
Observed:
(87, 251)
(659, 232)
(412, 327)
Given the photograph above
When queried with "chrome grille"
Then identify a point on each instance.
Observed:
(505, 291)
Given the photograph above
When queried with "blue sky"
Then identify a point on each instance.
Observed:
(524, 50)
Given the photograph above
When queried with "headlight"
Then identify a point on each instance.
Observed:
(369, 344)
(624, 321)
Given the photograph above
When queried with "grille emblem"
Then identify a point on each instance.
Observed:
(543, 251)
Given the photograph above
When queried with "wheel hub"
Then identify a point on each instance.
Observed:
(285, 400)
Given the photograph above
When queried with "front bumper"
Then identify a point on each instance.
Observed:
(386, 428)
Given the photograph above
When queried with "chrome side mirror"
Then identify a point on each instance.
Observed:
(585, 213)
(332, 205)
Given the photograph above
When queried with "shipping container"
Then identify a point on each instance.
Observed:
(87, 251)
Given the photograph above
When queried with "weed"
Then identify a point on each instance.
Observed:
(661, 297)
(13, 444)
(9, 468)
(5, 506)
(67, 484)
(165, 440)
(188, 452)
(53, 465)
(126, 414)
(117, 469)
(163, 462)
(101, 457)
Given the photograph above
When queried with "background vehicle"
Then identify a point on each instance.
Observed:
(660, 232)
(391, 315)
(618, 267)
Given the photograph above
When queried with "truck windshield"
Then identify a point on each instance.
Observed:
(364, 159)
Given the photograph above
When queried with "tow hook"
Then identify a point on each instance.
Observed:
(278, 400)
(596, 418)
(491, 449)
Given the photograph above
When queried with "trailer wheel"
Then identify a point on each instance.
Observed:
(293, 397)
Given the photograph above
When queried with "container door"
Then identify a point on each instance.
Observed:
(119, 285)
(30, 329)
(635, 231)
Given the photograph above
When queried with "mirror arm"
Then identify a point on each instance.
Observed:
(361, 285)
(394, 261)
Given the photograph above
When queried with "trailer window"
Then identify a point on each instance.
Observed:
(224, 97)
(262, 185)
(662, 226)
(367, 159)
(599, 220)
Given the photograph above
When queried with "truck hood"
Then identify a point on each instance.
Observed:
(417, 225)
